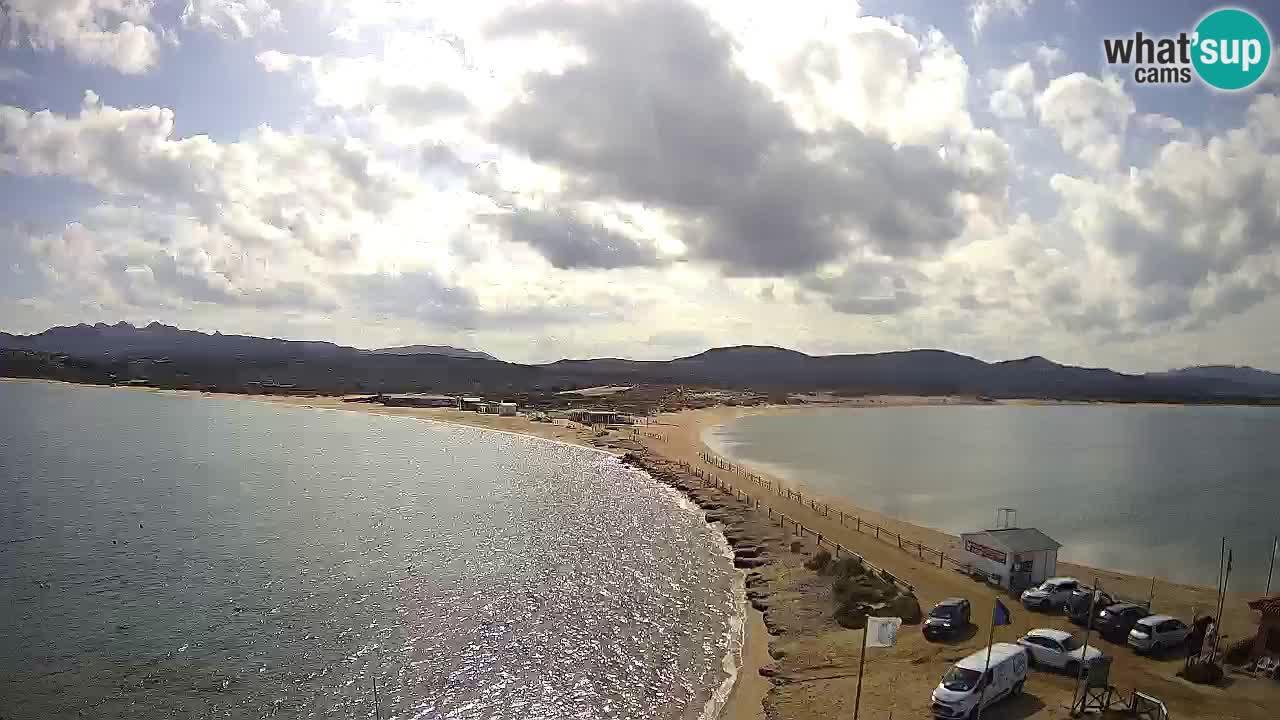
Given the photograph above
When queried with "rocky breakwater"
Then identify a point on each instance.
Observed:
(810, 600)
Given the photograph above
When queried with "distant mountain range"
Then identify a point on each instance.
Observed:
(170, 357)
(445, 350)
(123, 340)
(1239, 374)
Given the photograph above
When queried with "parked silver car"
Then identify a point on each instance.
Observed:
(1157, 632)
(1050, 594)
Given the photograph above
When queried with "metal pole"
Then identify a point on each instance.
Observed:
(1274, 544)
(862, 659)
(982, 681)
(376, 714)
(1221, 605)
(1088, 625)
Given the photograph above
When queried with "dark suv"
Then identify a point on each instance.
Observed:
(1117, 620)
(947, 618)
(1078, 607)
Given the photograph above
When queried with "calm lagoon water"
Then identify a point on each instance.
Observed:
(1142, 489)
(165, 556)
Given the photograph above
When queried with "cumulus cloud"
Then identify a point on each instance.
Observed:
(123, 257)
(1197, 234)
(875, 75)
(567, 241)
(982, 12)
(101, 32)
(1088, 115)
(231, 18)
(133, 152)
(1049, 56)
(411, 94)
(1156, 121)
(691, 134)
(870, 288)
(1015, 87)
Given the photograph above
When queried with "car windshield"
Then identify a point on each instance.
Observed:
(1048, 586)
(1071, 644)
(960, 679)
(945, 612)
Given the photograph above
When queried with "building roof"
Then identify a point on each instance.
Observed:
(472, 399)
(1017, 540)
(1267, 606)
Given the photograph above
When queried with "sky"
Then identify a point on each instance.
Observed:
(542, 180)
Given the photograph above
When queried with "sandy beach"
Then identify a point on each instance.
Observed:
(901, 679)
(800, 663)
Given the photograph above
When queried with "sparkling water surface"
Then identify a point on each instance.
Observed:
(185, 557)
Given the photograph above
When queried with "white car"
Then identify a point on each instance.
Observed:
(1058, 649)
(965, 685)
(1157, 632)
(1052, 593)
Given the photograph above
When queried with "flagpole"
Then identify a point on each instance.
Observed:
(1274, 544)
(857, 699)
(1088, 626)
(982, 691)
(1222, 564)
(1221, 606)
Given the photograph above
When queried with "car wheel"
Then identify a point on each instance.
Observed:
(1073, 669)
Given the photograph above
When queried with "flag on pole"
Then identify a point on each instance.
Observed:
(1000, 616)
(882, 632)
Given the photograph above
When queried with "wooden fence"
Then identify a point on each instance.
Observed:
(853, 522)
(787, 522)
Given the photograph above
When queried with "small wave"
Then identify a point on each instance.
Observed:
(735, 639)
(735, 635)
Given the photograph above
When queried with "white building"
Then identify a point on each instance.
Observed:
(1017, 558)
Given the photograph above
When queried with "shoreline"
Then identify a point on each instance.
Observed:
(772, 650)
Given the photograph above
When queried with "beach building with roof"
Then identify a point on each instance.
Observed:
(1014, 558)
(1266, 642)
(597, 417)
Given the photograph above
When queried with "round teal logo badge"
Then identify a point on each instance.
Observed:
(1232, 49)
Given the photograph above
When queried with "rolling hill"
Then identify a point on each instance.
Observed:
(171, 357)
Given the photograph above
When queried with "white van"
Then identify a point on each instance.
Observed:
(957, 694)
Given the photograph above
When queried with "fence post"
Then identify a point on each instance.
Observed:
(859, 523)
(941, 556)
(899, 542)
(877, 532)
